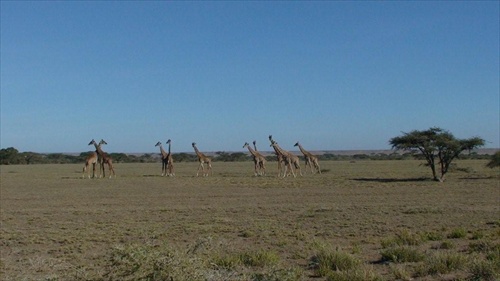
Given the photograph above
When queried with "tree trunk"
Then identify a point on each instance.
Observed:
(430, 161)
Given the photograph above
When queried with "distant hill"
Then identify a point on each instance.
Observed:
(481, 151)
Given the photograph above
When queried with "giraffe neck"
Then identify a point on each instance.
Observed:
(303, 150)
(279, 150)
(98, 149)
(252, 151)
(198, 153)
(162, 151)
(169, 148)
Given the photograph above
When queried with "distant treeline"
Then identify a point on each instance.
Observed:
(11, 156)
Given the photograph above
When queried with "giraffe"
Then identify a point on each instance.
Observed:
(288, 158)
(99, 153)
(103, 158)
(91, 159)
(258, 159)
(107, 160)
(164, 159)
(203, 160)
(261, 164)
(279, 156)
(170, 160)
(310, 159)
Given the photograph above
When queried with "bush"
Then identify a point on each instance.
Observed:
(442, 263)
(325, 262)
(457, 233)
(486, 270)
(400, 254)
(143, 262)
(404, 237)
(259, 258)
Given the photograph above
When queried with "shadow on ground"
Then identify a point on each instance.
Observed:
(392, 179)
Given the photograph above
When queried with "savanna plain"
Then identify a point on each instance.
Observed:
(362, 220)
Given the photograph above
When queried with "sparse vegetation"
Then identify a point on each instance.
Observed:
(234, 226)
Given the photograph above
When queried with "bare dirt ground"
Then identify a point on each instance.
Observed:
(234, 226)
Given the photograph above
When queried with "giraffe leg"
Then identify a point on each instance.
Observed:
(111, 169)
(171, 169)
(317, 167)
(291, 169)
(297, 166)
(200, 167)
(209, 169)
(103, 170)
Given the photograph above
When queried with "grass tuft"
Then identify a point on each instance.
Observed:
(442, 263)
(143, 262)
(403, 237)
(401, 254)
(486, 270)
(325, 262)
(359, 274)
(259, 259)
(288, 274)
(457, 233)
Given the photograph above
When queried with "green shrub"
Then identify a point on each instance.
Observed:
(486, 270)
(484, 246)
(431, 236)
(400, 254)
(478, 234)
(404, 237)
(259, 258)
(399, 272)
(442, 263)
(145, 262)
(325, 262)
(225, 262)
(457, 233)
(446, 245)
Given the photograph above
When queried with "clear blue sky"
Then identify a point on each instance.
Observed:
(333, 75)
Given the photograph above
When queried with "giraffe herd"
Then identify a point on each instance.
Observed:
(288, 163)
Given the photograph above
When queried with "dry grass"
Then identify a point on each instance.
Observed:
(234, 226)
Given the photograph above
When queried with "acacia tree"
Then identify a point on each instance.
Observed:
(435, 143)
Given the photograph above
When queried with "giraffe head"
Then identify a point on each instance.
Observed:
(297, 144)
(246, 144)
(254, 142)
(102, 142)
(158, 144)
(193, 144)
(169, 141)
(92, 142)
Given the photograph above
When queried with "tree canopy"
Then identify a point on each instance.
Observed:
(435, 143)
